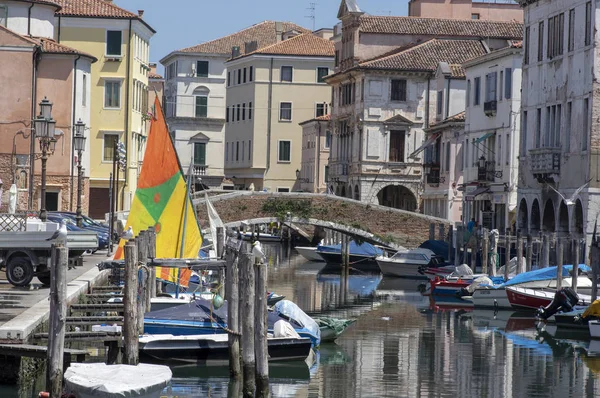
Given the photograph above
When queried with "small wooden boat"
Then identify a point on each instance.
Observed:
(332, 328)
(214, 348)
(309, 253)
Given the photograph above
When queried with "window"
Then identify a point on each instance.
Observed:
(541, 41)
(499, 152)
(556, 26)
(251, 74)
(468, 97)
(238, 112)
(243, 150)
(228, 79)
(586, 118)
(440, 102)
(249, 149)
(287, 73)
(249, 110)
(244, 79)
(321, 109)
(227, 115)
(362, 89)
(201, 106)
(3, 15)
(396, 146)
(202, 68)
(477, 94)
(491, 86)
(508, 83)
(557, 125)
(113, 42)
(538, 129)
(285, 153)
(526, 47)
(571, 43)
(474, 16)
(321, 73)
(244, 111)
(567, 145)
(237, 151)
(283, 190)
(200, 153)
(109, 146)
(588, 23)
(466, 155)
(398, 90)
(112, 94)
(328, 139)
(83, 88)
(227, 152)
(549, 127)
(171, 71)
(285, 111)
(239, 76)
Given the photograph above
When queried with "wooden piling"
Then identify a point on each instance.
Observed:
(143, 279)
(442, 231)
(594, 264)
(431, 231)
(130, 329)
(58, 316)
(151, 234)
(559, 260)
(485, 242)
(576, 260)
(474, 250)
(508, 244)
(545, 251)
(233, 302)
(529, 253)
(247, 323)
(520, 264)
(494, 262)
(450, 243)
(458, 249)
(260, 336)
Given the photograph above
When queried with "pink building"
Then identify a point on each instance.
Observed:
(491, 10)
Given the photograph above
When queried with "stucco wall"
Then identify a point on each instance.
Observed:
(37, 21)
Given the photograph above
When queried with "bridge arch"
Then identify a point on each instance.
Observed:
(397, 197)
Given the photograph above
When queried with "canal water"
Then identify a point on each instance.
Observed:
(404, 345)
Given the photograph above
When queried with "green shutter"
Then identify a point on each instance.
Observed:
(201, 106)
(113, 42)
(199, 153)
(202, 68)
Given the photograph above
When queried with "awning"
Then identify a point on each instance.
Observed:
(430, 141)
(470, 196)
(484, 137)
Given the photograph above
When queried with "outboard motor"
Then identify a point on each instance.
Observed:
(564, 300)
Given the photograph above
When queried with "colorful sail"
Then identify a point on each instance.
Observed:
(160, 201)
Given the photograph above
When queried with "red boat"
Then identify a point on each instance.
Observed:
(532, 299)
(443, 287)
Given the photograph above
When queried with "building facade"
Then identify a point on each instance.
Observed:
(34, 67)
(491, 137)
(384, 97)
(270, 92)
(195, 94)
(316, 143)
(559, 138)
(119, 90)
(491, 10)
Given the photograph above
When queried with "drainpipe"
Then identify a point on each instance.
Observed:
(426, 123)
(58, 34)
(73, 127)
(127, 110)
(269, 122)
(35, 61)
(29, 19)
(447, 113)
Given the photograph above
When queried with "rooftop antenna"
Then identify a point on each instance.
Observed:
(312, 7)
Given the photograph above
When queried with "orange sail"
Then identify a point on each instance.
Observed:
(160, 201)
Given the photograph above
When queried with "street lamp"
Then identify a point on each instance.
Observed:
(44, 132)
(79, 146)
(306, 180)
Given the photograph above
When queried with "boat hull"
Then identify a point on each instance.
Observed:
(362, 263)
(594, 327)
(490, 298)
(209, 350)
(309, 253)
(528, 299)
(401, 270)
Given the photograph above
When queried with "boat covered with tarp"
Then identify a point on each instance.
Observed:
(361, 254)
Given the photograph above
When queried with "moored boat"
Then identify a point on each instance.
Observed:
(532, 299)
(309, 253)
(409, 263)
(362, 256)
(594, 327)
(332, 328)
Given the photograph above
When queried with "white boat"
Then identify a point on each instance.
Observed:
(261, 236)
(408, 263)
(309, 253)
(594, 326)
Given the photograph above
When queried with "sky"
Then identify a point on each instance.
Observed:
(184, 23)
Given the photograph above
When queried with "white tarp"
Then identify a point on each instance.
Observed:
(93, 380)
(284, 329)
(482, 280)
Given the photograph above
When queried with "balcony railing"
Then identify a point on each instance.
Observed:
(544, 162)
(488, 172)
(200, 170)
(490, 107)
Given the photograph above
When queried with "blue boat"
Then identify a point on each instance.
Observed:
(199, 317)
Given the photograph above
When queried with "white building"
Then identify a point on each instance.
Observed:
(195, 95)
(559, 138)
(491, 138)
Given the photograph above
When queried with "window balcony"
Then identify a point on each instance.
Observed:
(545, 163)
(490, 108)
(200, 170)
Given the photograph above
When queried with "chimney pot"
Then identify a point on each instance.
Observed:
(140, 13)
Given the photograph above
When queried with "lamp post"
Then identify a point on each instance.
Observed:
(301, 180)
(44, 132)
(79, 146)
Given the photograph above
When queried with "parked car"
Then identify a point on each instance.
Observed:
(101, 232)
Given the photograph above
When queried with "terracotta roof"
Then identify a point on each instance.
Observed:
(426, 56)
(96, 9)
(152, 75)
(302, 45)
(324, 118)
(399, 119)
(440, 27)
(52, 47)
(458, 118)
(457, 71)
(45, 2)
(263, 33)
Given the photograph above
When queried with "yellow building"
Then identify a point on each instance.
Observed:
(119, 90)
(269, 92)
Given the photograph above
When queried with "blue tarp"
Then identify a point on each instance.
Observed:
(439, 247)
(364, 249)
(532, 344)
(544, 274)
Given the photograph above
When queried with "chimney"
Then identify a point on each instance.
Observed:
(250, 46)
(153, 67)
(235, 51)
(279, 31)
(140, 13)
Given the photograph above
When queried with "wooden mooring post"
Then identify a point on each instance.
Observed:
(442, 231)
(130, 323)
(58, 316)
(450, 243)
(559, 260)
(247, 323)
(260, 339)
(458, 249)
(156, 284)
(545, 251)
(529, 253)
(520, 264)
(431, 231)
(576, 260)
(143, 302)
(233, 302)
(484, 251)
(508, 244)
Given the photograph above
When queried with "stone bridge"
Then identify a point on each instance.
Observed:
(375, 223)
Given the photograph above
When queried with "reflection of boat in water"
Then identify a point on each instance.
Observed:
(402, 289)
(359, 283)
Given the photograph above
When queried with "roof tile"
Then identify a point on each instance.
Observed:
(50, 46)
(263, 33)
(93, 8)
(302, 45)
(440, 27)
